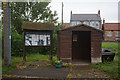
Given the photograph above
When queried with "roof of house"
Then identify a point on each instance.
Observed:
(37, 26)
(112, 26)
(81, 25)
(83, 17)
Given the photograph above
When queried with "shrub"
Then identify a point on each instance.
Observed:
(16, 44)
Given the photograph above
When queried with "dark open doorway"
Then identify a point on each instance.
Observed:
(81, 47)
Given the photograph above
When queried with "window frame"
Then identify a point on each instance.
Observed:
(117, 34)
(74, 23)
(86, 22)
(78, 22)
(109, 34)
(94, 23)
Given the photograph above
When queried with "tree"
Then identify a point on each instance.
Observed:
(31, 11)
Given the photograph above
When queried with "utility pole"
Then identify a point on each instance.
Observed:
(7, 33)
(62, 14)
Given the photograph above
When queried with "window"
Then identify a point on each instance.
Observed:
(78, 22)
(73, 23)
(86, 22)
(117, 34)
(109, 34)
(97, 24)
(94, 23)
(117, 39)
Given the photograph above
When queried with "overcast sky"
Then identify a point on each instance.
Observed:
(108, 8)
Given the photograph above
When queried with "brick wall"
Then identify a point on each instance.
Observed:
(110, 38)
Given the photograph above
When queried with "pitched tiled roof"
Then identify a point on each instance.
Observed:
(112, 26)
(83, 17)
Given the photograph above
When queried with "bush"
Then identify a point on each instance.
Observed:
(16, 43)
(17, 46)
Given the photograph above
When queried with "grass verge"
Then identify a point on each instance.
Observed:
(18, 60)
(110, 68)
(112, 46)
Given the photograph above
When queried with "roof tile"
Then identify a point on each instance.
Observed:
(83, 17)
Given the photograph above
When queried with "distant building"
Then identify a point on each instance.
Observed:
(111, 31)
(66, 25)
(93, 20)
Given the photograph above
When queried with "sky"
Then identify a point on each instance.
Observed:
(108, 8)
(0, 11)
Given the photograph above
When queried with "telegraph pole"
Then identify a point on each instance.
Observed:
(62, 13)
(7, 33)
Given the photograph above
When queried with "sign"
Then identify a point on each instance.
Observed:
(37, 39)
(75, 37)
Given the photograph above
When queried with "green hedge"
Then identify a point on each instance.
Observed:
(16, 43)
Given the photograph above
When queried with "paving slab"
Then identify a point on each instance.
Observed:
(42, 72)
(86, 71)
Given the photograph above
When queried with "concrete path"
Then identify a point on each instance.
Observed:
(41, 70)
(86, 71)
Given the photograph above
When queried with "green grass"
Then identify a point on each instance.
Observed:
(14, 62)
(18, 60)
(39, 57)
(110, 68)
(111, 46)
(0, 33)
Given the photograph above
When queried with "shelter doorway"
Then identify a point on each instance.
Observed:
(81, 47)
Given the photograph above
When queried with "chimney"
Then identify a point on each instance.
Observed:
(99, 12)
(70, 16)
(71, 12)
(103, 24)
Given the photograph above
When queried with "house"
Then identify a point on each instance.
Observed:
(111, 31)
(79, 44)
(93, 20)
(66, 25)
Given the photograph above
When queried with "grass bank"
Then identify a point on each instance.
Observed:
(18, 60)
(110, 68)
(112, 46)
